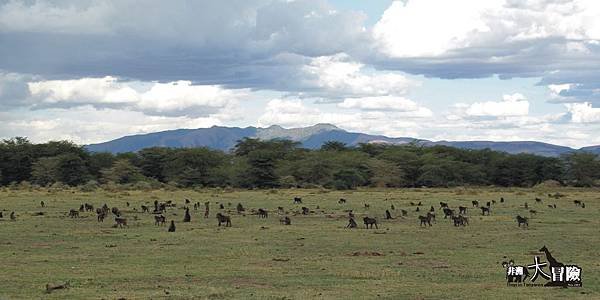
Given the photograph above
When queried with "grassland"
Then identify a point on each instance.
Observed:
(314, 258)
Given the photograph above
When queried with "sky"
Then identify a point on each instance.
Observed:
(503, 70)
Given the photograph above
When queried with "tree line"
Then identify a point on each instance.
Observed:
(254, 163)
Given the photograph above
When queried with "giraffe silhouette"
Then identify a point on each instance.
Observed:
(552, 263)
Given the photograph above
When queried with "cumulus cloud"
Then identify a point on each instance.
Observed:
(387, 103)
(583, 113)
(511, 105)
(179, 98)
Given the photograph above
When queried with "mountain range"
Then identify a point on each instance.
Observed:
(312, 137)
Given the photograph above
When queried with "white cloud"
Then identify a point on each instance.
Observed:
(511, 105)
(387, 103)
(179, 98)
(583, 113)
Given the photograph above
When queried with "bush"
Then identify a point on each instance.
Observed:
(89, 186)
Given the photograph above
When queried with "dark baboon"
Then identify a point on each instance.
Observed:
(50, 288)
(81, 208)
(493, 201)
(488, 204)
(431, 216)
(224, 219)
(159, 220)
(522, 220)
(221, 206)
(187, 201)
(404, 212)
(73, 213)
(443, 204)
(280, 209)
(448, 212)
(532, 211)
(127, 203)
(305, 210)
(412, 203)
(475, 203)
(285, 221)
(172, 226)
(538, 200)
(462, 210)
(42, 204)
(116, 211)
(342, 201)
(417, 209)
(369, 222)
(582, 205)
(1, 215)
(145, 209)
(419, 204)
(392, 207)
(367, 205)
(460, 220)
(240, 208)
(297, 200)
(388, 215)
(351, 223)
(526, 205)
(101, 215)
(350, 214)
(195, 206)
(263, 213)
(187, 217)
(120, 222)
(425, 220)
(89, 207)
(501, 199)
(432, 209)
(485, 210)
(13, 217)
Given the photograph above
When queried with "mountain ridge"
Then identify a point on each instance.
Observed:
(312, 137)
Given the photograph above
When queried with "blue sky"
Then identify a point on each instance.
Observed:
(91, 71)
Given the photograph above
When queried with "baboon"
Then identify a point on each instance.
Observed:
(42, 204)
(262, 213)
(127, 203)
(73, 213)
(432, 209)
(488, 204)
(417, 209)
(285, 221)
(50, 288)
(172, 226)
(493, 201)
(462, 209)
(388, 215)
(240, 208)
(370, 222)
(412, 203)
(342, 201)
(160, 220)
(280, 209)
(351, 223)
(393, 207)
(350, 214)
(221, 206)
(81, 208)
(431, 216)
(526, 205)
(155, 205)
(305, 210)
(532, 211)
(206, 208)
(88, 207)
(425, 220)
(367, 205)
(206, 213)
(297, 200)
(224, 219)
(485, 210)
(13, 217)
(448, 212)
(443, 204)
(538, 200)
(187, 201)
(522, 220)
(187, 217)
(195, 206)
(116, 211)
(101, 216)
(404, 212)
(501, 199)
(582, 205)
(460, 221)
(145, 208)
(120, 222)
(419, 204)
(1, 215)
(577, 202)
(550, 206)
(475, 203)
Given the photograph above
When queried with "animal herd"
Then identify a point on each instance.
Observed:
(458, 215)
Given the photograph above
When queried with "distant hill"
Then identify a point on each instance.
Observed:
(312, 137)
